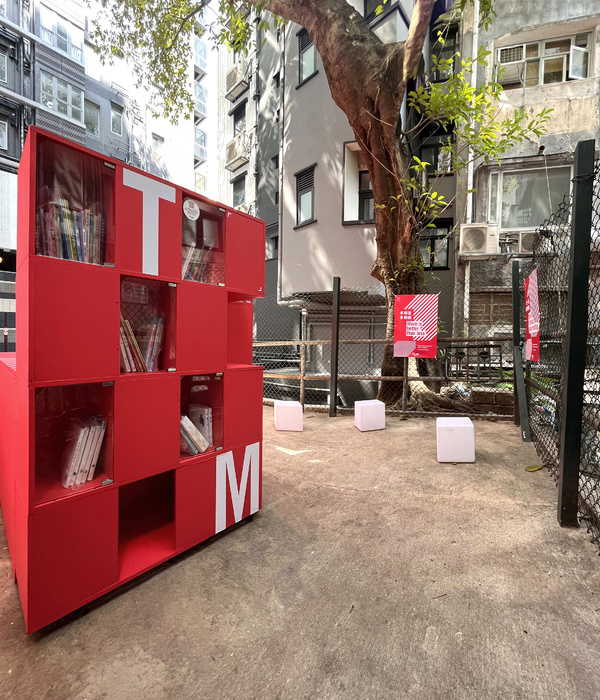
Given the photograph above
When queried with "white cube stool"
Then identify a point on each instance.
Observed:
(288, 415)
(455, 440)
(369, 415)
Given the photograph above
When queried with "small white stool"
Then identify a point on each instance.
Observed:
(455, 439)
(369, 415)
(288, 415)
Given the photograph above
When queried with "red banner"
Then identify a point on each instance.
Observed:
(415, 325)
(532, 317)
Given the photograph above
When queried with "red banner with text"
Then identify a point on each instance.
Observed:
(415, 325)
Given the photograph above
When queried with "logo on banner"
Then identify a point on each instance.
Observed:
(532, 318)
(415, 325)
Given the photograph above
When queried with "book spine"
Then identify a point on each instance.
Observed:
(185, 443)
(125, 367)
(150, 350)
(135, 348)
(86, 457)
(97, 450)
(186, 264)
(102, 238)
(157, 344)
(195, 435)
(77, 236)
(73, 465)
(128, 350)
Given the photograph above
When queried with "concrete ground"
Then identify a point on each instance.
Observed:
(372, 572)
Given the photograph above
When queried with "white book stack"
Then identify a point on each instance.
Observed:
(201, 417)
(82, 450)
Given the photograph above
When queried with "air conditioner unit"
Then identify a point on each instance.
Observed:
(479, 240)
(510, 74)
(526, 241)
(237, 80)
(237, 152)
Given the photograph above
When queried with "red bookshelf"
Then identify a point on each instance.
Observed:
(95, 487)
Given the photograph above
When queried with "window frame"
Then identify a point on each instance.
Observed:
(541, 57)
(49, 33)
(157, 152)
(4, 127)
(71, 89)
(237, 120)
(97, 111)
(4, 60)
(436, 142)
(427, 235)
(365, 195)
(441, 51)
(499, 174)
(235, 183)
(305, 44)
(301, 191)
(116, 109)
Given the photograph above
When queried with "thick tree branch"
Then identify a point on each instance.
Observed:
(419, 26)
(200, 6)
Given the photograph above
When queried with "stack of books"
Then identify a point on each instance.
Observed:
(140, 349)
(196, 263)
(70, 234)
(191, 440)
(201, 417)
(82, 450)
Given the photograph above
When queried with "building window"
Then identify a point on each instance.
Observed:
(3, 135)
(445, 51)
(200, 94)
(371, 6)
(62, 97)
(272, 246)
(157, 148)
(200, 182)
(433, 246)
(3, 9)
(275, 161)
(239, 120)
(63, 35)
(116, 120)
(277, 80)
(308, 56)
(200, 137)
(524, 199)
(435, 151)
(92, 118)
(277, 198)
(366, 203)
(305, 191)
(239, 191)
(3, 67)
(544, 62)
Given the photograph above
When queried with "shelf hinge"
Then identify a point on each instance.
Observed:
(220, 284)
(108, 264)
(108, 383)
(172, 284)
(106, 482)
(219, 374)
(110, 165)
(217, 449)
(171, 369)
(223, 210)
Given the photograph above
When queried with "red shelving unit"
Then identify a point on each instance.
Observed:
(95, 487)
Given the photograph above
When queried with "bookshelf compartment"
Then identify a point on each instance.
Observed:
(202, 404)
(147, 325)
(146, 523)
(74, 336)
(195, 488)
(73, 439)
(202, 242)
(239, 332)
(74, 205)
(243, 389)
(146, 425)
(202, 328)
(245, 254)
(73, 554)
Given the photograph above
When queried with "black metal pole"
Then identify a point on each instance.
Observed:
(516, 333)
(576, 339)
(335, 339)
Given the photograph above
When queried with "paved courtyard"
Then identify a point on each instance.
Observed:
(371, 572)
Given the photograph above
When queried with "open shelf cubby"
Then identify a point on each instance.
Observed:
(147, 334)
(73, 438)
(202, 403)
(146, 523)
(202, 242)
(75, 205)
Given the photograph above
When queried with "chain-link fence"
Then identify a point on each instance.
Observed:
(472, 373)
(545, 379)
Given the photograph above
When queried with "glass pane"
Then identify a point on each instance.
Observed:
(62, 107)
(582, 40)
(307, 63)
(557, 46)
(76, 98)
(61, 90)
(531, 50)
(425, 250)
(365, 182)
(76, 113)
(3, 67)
(200, 137)
(368, 206)
(116, 123)
(47, 35)
(428, 156)
(441, 252)
(494, 197)
(553, 70)
(579, 63)
(92, 119)
(528, 198)
(444, 160)
(305, 208)
(532, 73)
(3, 135)
(76, 53)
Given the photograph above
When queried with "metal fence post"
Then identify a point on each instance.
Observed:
(335, 338)
(516, 331)
(576, 338)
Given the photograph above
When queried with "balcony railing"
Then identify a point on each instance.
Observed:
(200, 107)
(200, 61)
(199, 152)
